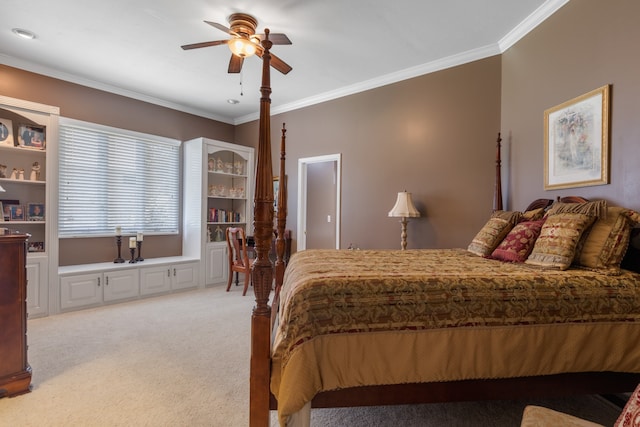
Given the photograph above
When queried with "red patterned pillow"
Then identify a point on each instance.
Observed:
(630, 415)
(518, 244)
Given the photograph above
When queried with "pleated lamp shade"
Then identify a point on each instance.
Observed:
(404, 206)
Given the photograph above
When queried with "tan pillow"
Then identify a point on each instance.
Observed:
(533, 215)
(606, 242)
(513, 217)
(556, 245)
(597, 208)
(490, 236)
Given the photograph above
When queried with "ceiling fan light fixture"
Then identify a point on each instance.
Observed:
(242, 47)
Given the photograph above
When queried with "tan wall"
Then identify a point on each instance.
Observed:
(91, 105)
(585, 45)
(433, 136)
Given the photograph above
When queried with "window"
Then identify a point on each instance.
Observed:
(112, 177)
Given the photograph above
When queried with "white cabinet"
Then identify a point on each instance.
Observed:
(218, 193)
(37, 289)
(161, 279)
(120, 285)
(84, 290)
(90, 285)
(28, 174)
(216, 264)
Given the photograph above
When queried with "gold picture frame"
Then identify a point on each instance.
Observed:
(576, 141)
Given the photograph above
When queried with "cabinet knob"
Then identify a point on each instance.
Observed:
(98, 281)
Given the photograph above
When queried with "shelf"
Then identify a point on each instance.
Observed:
(232, 175)
(226, 198)
(226, 223)
(30, 151)
(9, 223)
(21, 181)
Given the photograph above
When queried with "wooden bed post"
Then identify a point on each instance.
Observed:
(262, 268)
(497, 197)
(281, 216)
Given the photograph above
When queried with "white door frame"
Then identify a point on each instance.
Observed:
(302, 195)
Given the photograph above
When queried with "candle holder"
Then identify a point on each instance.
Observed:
(119, 245)
(139, 245)
(133, 254)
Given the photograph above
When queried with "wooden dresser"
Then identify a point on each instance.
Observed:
(15, 372)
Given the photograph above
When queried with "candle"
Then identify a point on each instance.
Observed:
(118, 231)
(132, 242)
(139, 237)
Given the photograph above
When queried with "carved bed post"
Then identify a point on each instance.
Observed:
(497, 197)
(281, 216)
(262, 268)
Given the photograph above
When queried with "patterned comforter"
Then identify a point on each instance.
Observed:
(443, 315)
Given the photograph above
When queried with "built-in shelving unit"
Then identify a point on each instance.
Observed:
(218, 190)
(28, 174)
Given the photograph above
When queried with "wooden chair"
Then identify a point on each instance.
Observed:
(238, 256)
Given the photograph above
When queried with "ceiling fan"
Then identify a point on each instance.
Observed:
(245, 42)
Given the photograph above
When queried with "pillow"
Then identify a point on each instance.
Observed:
(518, 244)
(559, 236)
(603, 246)
(596, 208)
(490, 236)
(631, 411)
(511, 216)
(533, 215)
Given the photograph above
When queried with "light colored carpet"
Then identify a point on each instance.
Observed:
(182, 360)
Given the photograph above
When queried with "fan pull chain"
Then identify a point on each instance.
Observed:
(241, 88)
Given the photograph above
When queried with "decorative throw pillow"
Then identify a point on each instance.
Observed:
(489, 236)
(518, 244)
(605, 243)
(597, 208)
(513, 217)
(533, 215)
(559, 236)
(630, 415)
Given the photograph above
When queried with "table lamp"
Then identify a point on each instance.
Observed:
(404, 209)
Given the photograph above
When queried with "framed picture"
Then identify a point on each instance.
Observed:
(35, 246)
(32, 136)
(35, 212)
(576, 141)
(6, 132)
(16, 213)
(6, 207)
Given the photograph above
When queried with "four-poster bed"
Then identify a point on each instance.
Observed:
(292, 362)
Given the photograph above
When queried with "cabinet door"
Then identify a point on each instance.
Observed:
(121, 285)
(185, 275)
(37, 289)
(80, 290)
(216, 264)
(155, 280)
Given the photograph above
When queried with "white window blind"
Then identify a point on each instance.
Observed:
(112, 177)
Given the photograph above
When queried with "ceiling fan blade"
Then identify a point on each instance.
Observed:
(235, 64)
(220, 27)
(276, 62)
(204, 44)
(276, 38)
(280, 65)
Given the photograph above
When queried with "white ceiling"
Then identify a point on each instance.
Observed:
(132, 47)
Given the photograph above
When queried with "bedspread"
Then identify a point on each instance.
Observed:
(349, 318)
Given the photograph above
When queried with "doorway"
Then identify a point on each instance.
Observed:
(319, 188)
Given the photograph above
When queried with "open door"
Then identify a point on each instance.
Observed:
(319, 183)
